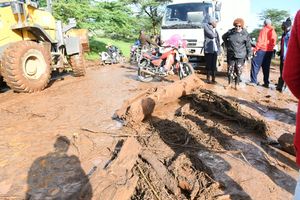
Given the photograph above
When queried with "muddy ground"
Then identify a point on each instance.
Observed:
(216, 143)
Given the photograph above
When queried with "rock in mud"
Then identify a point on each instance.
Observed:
(286, 143)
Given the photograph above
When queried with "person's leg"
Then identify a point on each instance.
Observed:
(208, 60)
(280, 80)
(169, 62)
(266, 67)
(238, 70)
(255, 65)
(230, 70)
(214, 66)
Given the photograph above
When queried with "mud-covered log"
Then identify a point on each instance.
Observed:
(139, 108)
(118, 181)
(167, 179)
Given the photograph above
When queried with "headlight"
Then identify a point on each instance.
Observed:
(185, 59)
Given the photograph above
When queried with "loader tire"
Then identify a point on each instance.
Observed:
(26, 66)
(78, 64)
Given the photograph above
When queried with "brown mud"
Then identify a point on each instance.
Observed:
(213, 143)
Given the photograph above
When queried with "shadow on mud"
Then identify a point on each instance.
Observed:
(57, 76)
(58, 176)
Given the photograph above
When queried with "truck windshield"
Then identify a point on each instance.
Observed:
(186, 15)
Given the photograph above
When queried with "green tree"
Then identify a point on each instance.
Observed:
(112, 18)
(153, 9)
(254, 34)
(276, 16)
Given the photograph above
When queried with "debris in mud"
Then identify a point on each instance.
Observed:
(178, 181)
(209, 149)
(228, 110)
(138, 108)
(286, 142)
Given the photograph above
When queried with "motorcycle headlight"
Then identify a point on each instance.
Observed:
(185, 59)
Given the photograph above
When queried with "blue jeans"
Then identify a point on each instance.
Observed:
(297, 190)
(262, 59)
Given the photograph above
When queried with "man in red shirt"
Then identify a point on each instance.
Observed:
(263, 53)
(291, 75)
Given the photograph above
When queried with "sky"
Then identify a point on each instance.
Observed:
(257, 6)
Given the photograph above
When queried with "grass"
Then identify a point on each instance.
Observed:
(98, 45)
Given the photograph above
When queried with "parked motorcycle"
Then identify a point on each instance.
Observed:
(153, 66)
(134, 53)
(112, 56)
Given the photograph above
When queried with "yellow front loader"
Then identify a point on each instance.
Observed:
(33, 43)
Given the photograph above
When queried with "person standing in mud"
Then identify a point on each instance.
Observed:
(291, 75)
(58, 176)
(211, 49)
(237, 41)
(263, 53)
(286, 27)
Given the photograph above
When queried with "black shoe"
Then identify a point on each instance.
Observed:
(208, 79)
(213, 79)
(265, 85)
(279, 89)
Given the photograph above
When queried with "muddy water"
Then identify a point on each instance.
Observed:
(31, 123)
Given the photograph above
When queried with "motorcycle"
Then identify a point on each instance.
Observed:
(134, 54)
(112, 56)
(153, 66)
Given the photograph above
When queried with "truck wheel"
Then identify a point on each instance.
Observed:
(78, 64)
(26, 66)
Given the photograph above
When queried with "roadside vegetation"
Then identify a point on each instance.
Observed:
(98, 45)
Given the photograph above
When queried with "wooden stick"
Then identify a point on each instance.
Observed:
(113, 134)
(150, 185)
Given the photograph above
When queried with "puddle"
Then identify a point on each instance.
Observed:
(273, 115)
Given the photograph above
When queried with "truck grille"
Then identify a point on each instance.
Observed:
(191, 43)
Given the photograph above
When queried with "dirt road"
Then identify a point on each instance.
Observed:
(30, 123)
(232, 152)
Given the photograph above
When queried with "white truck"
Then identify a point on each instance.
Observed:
(186, 18)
